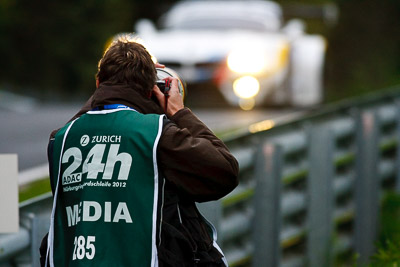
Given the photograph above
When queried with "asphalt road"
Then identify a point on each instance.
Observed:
(25, 130)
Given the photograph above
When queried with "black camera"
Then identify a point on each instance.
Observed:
(164, 86)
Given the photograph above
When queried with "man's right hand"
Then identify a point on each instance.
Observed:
(174, 101)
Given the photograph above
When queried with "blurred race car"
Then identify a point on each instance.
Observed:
(242, 48)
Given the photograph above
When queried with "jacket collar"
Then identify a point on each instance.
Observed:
(124, 94)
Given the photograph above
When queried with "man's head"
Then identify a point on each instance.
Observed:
(127, 62)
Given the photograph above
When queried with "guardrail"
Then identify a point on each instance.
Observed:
(22, 249)
(309, 189)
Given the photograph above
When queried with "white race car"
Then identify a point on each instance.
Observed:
(242, 48)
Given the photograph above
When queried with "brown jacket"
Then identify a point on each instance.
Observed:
(197, 166)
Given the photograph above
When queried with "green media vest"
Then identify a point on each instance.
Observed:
(107, 190)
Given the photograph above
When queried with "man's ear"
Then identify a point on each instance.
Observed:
(97, 83)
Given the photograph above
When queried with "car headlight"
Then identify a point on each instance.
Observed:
(246, 87)
(246, 61)
(252, 60)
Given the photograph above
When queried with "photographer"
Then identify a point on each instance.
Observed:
(125, 177)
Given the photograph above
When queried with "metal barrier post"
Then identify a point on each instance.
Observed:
(39, 228)
(320, 197)
(267, 203)
(367, 187)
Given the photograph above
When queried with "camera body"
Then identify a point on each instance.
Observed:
(164, 86)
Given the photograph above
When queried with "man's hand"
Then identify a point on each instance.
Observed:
(173, 102)
(159, 65)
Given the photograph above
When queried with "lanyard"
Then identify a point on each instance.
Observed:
(112, 106)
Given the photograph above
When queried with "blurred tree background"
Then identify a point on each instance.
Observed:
(364, 48)
(50, 48)
(363, 52)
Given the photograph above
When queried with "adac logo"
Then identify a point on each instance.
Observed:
(85, 140)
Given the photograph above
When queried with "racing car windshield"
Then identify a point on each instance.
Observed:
(221, 24)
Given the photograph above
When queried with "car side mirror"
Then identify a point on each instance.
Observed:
(294, 28)
(144, 27)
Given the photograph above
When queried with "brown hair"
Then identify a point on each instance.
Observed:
(127, 62)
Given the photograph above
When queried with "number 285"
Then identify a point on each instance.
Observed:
(84, 247)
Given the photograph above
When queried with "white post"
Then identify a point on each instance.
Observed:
(9, 210)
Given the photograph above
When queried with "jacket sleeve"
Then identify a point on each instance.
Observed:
(195, 160)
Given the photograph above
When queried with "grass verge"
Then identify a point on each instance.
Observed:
(34, 189)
